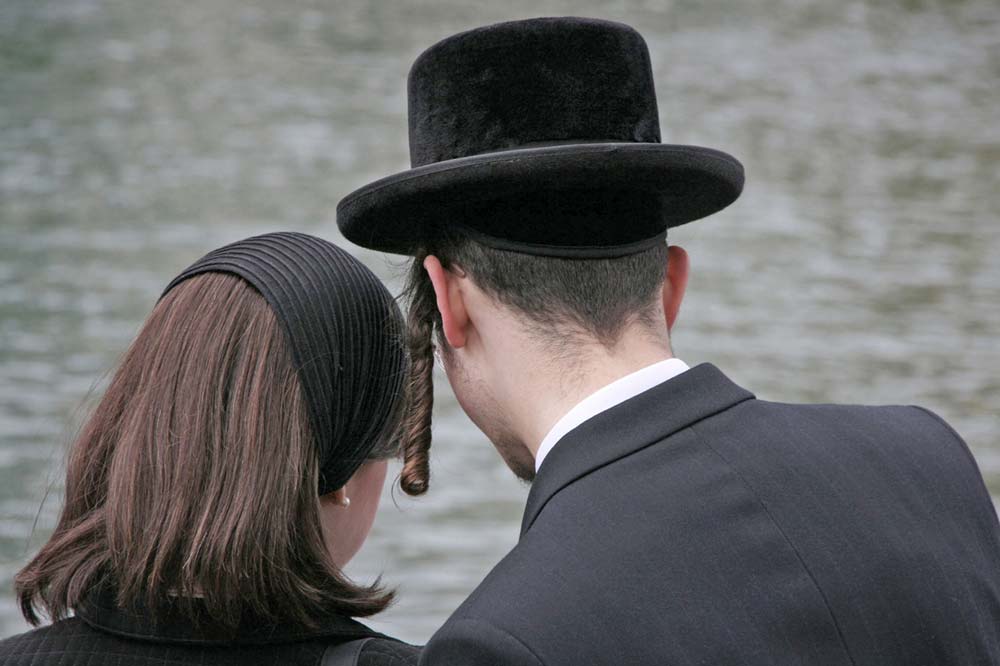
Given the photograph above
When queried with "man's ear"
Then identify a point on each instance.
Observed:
(675, 283)
(454, 318)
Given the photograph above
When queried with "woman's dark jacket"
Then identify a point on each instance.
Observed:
(101, 633)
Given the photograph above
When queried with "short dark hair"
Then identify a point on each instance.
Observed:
(598, 297)
(562, 298)
(155, 474)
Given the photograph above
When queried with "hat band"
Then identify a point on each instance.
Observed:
(615, 223)
(545, 144)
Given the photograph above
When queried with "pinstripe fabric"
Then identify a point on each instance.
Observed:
(695, 524)
(345, 332)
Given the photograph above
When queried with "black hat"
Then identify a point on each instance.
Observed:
(540, 136)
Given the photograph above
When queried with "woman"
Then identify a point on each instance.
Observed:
(232, 468)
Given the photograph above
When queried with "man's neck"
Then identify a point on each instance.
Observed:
(544, 397)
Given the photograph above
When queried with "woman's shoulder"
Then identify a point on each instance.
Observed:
(73, 641)
(37, 645)
(388, 652)
(381, 651)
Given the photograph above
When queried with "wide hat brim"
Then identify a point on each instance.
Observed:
(403, 212)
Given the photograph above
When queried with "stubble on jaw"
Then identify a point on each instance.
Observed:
(496, 427)
(485, 411)
(517, 457)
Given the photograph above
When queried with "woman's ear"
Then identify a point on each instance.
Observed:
(675, 283)
(450, 303)
(338, 497)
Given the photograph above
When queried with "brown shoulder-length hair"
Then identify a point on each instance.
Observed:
(196, 476)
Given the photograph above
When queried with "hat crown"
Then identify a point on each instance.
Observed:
(533, 82)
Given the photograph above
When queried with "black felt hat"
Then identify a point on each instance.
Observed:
(540, 136)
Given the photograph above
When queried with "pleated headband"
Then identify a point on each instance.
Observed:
(345, 331)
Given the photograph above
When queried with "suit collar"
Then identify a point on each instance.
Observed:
(607, 397)
(174, 624)
(632, 425)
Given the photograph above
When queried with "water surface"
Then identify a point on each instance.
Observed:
(862, 263)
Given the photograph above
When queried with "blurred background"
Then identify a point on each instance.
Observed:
(862, 263)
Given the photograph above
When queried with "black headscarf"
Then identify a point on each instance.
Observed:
(345, 332)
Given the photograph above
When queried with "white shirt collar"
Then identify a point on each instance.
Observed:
(605, 398)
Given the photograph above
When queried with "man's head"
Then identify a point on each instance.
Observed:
(505, 320)
(542, 138)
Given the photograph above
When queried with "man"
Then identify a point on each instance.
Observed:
(673, 517)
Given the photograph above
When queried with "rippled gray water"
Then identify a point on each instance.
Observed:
(861, 265)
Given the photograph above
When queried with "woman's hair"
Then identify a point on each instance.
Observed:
(196, 476)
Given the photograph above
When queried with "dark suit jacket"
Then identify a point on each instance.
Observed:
(103, 634)
(695, 524)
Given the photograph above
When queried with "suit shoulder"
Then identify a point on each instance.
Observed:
(388, 652)
(839, 421)
(903, 450)
(933, 421)
(907, 430)
(897, 415)
(475, 642)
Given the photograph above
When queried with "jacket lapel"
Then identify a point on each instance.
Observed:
(632, 425)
